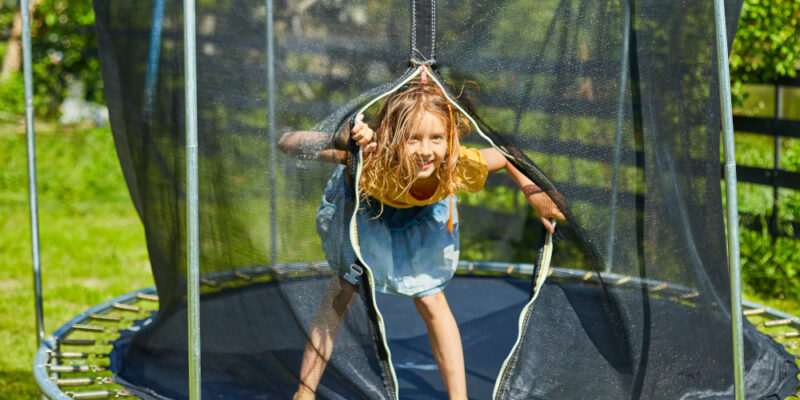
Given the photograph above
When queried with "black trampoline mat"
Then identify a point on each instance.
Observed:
(487, 312)
(569, 339)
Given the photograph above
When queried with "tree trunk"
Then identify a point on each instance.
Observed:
(12, 61)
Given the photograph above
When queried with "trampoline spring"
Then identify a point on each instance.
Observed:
(61, 369)
(75, 382)
(94, 394)
(755, 311)
(89, 328)
(246, 277)
(69, 355)
(790, 345)
(690, 295)
(623, 280)
(106, 317)
(659, 287)
(778, 322)
(587, 276)
(510, 269)
(127, 307)
(78, 342)
(149, 297)
(208, 282)
(787, 335)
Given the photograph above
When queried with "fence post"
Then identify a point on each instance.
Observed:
(774, 218)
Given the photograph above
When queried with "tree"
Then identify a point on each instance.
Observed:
(64, 50)
(767, 44)
(12, 60)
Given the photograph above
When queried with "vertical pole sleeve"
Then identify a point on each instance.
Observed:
(27, 73)
(731, 204)
(192, 234)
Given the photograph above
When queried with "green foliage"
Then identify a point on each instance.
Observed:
(770, 264)
(11, 99)
(64, 50)
(767, 44)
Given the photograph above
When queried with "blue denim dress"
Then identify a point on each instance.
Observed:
(409, 250)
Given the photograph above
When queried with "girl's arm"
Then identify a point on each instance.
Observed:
(306, 145)
(536, 197)
(319, 146)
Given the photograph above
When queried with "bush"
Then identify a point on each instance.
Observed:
(770, 264)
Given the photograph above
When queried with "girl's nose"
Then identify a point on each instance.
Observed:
(424, 148)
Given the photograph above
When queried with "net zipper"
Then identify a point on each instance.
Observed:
(354, 242)
(357, 248)
(544, 269)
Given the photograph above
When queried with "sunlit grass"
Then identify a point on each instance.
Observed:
(92, 243)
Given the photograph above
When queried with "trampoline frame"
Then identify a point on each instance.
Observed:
(193, 281)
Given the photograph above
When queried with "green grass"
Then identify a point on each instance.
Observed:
(91, 240)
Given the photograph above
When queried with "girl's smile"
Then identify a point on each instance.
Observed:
(427, 144)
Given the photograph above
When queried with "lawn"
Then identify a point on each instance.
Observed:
(92, 242)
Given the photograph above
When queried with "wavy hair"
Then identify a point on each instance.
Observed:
(400, 112)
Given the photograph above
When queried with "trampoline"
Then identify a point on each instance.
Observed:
(611, 107)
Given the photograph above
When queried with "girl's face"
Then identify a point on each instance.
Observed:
(427, 144)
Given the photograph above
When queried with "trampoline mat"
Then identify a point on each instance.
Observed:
(570, 341)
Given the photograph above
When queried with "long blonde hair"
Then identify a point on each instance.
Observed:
(388, 165)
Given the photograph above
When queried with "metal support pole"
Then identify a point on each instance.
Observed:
(623, 83)
(192, 215)
(33, 197)
(730, 196)
(272, 136)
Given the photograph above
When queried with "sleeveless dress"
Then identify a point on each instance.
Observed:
(407, 244)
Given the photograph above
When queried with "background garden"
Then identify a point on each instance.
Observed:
(92, 242)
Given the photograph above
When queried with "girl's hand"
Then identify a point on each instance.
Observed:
(543, 205)
(363, 135)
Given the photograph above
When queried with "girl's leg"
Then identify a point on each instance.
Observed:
(445, 341)
(324, 330)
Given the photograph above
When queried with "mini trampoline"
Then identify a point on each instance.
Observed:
(611, 107)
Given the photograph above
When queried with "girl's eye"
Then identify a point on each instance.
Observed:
(413, 139)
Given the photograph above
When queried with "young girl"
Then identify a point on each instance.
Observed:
(413, 166)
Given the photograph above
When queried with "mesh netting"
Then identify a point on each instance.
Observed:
(610, 107)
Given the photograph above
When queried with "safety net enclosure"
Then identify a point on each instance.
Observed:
(610, 106)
